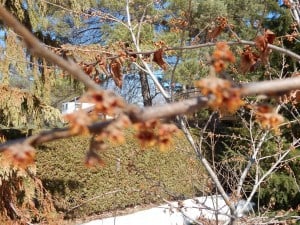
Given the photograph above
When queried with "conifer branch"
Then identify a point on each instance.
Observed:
(37, 48)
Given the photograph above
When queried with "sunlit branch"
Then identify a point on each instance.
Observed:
(271, 86)
(268, 173)
(251, 161)
(140, 23)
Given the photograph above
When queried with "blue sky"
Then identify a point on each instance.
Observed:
(2, 34)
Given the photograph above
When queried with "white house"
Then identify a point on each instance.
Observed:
(74, 105)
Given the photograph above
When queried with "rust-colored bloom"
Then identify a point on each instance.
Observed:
(222, 56)
(105, 102)
(79, 122)
(268, 118)
(165, 134)
(147, 138)
(21, 155)
(222, 95)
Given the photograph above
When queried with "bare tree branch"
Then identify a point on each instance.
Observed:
(136, 43)
(251, 161)
(271, 86)
(211, 44)
(207, 166)
(268, 173)
(104, 16)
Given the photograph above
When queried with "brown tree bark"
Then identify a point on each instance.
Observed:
(147, 100)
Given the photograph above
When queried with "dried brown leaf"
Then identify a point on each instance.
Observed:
(264, 108)
(249, 60)
(102, 63)
(270, 36)
(115, 69)
(158, 58)
(264, 56)
(261, 43)
(213, 34)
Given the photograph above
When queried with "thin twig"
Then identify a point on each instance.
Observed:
(102, 15)
(251, 161)
(182, 212)
(211, 44)
(207, 166)
(268, 173)
(136, 43)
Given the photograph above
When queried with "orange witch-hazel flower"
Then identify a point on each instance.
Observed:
(165, 135)
(153, 133)
(222, 95)
(21, 154)
(267, 117)
(105, 102)
(79, 122)
(222, 56)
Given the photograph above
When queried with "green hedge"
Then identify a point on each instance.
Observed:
(130, 177)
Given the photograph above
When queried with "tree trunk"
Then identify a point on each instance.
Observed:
(145, 89)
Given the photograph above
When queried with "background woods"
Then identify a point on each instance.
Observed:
(221, 76)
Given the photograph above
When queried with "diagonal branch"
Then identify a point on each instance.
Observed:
(169, 110)
(262, 179)
(37, 48)
(135, 114)
(251, 161)
(207, 166)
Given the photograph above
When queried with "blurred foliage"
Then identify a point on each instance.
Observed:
(22, 197)
(21, 110)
